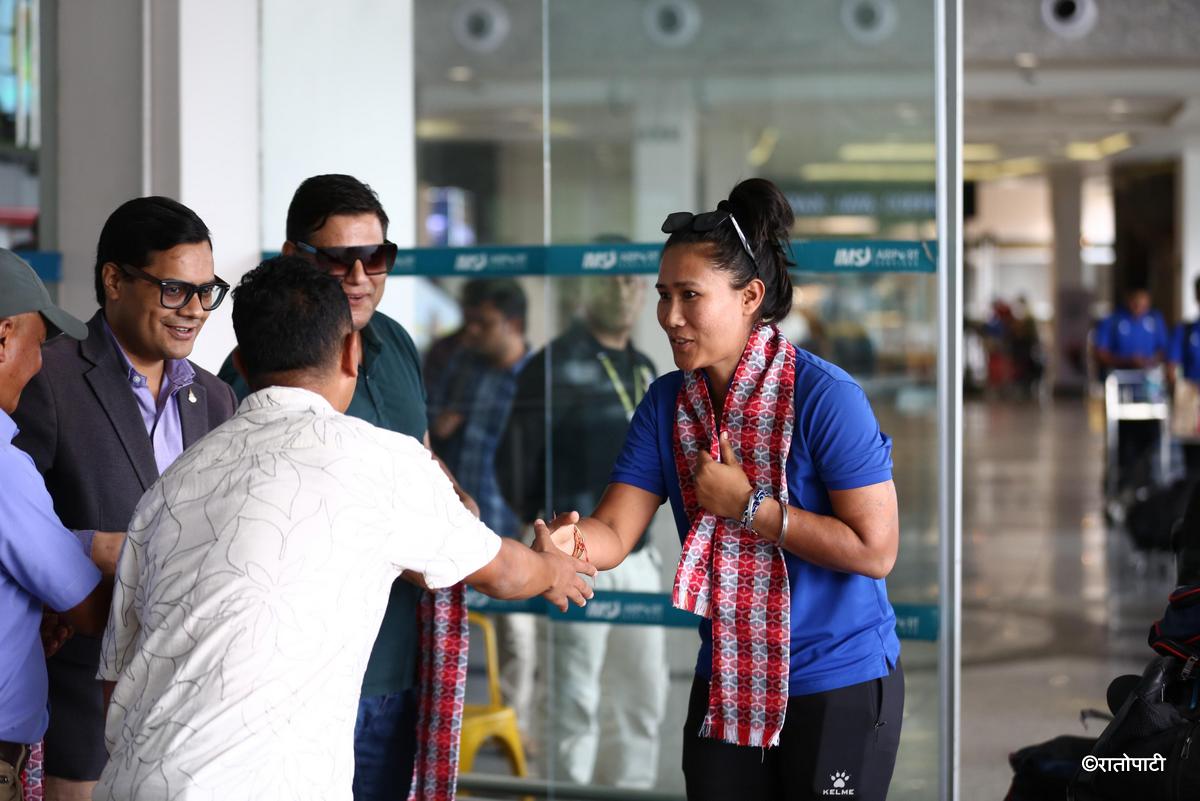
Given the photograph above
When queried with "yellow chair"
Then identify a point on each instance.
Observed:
(483, 722)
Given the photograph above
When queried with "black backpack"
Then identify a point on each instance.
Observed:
(1158, 719)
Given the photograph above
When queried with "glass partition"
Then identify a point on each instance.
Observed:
(552, 139)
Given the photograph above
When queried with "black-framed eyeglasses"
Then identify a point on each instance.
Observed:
(705, 222)
(339, 261)
(177, 294)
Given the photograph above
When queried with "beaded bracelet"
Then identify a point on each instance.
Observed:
(752, 508)
(580, 551)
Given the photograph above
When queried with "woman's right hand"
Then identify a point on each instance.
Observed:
(559, 533)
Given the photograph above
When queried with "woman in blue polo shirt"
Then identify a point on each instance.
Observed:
(781, 486)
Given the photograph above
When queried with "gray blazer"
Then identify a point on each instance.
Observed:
(80, 422)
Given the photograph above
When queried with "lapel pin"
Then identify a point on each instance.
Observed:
(191, 396)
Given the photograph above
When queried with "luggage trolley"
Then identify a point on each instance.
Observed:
(1135, 395)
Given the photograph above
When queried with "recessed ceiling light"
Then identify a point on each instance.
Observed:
(868, 173)
(887, 151)
(1083, 151)
(437, 128)
(763, 149)
(980, 151)
(1115, 143)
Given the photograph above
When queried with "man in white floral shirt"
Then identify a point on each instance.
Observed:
(257, 569)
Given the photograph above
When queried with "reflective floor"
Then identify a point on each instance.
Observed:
(1055, 604)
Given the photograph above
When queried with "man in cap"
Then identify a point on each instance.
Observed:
(41, 562)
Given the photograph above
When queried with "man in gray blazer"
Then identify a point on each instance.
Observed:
(107, 415)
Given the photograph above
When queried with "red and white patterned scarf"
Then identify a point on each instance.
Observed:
(730, 574)
(32, 787)
(442, 682)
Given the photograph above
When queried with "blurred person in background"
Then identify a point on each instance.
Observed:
(610, 687)
(467, 412)
(1183, 358)
(1134, 337)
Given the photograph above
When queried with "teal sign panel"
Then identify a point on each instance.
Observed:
(913, 621)
(47, 264)
(825, 256)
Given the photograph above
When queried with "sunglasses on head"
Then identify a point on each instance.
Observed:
(703, 223)
(339, 261)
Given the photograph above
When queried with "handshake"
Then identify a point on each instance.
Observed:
(561, 538)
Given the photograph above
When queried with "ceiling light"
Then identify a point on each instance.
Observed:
(558, 127)
(868, 173)
(837, 225)
(1010, 168)
(460, 74)
(1026, 61)
(435, 128)
(980, 151)
(1023, 166)
(761, 153)
(888, 151)
(1083, 151)
(1115, 143)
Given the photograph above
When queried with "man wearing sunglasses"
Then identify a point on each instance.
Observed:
(107, 415)
(337, 223)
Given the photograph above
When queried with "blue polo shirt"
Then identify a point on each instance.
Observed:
(41, 562)
(1185, 349)
(1125, 335)
(843, 627)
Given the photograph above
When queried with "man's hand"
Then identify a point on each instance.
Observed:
(446, 424)
(466, 499)
(106, 550)
(567, 583)
(55, 632)
(722, 487)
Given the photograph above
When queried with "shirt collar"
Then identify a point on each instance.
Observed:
(521, 362)
(286, 398)
(178, 373)
(8, 428)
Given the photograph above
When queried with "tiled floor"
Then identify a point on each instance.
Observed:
(1055, 605)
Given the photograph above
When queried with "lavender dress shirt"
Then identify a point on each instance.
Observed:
(161, 414)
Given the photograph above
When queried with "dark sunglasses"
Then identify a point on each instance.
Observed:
(339, 262)
(703, 223)
(177, 294)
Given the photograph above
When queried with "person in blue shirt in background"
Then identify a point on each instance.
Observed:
(798, 686)
(41, 562)
(1184, 352)
(1134, 337)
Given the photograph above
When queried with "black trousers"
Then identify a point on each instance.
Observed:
(832, 743)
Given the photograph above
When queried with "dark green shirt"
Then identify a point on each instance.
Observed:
(389, 395)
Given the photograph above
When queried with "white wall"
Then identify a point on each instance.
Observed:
(1013, 210)
(98, 124)
(161, 105)
(218, 146)
(337, 96)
